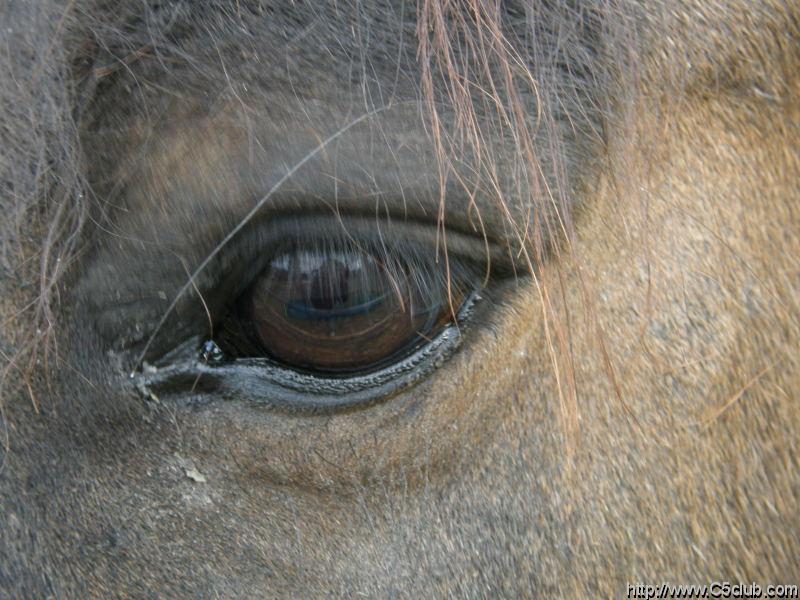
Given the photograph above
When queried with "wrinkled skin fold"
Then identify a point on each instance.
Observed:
(621, 407)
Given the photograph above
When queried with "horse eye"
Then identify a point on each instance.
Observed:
(309, 318)
(339, 312)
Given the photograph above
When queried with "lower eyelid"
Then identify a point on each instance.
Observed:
(263, 383)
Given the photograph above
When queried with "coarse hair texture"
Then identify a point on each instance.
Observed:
(543, 76)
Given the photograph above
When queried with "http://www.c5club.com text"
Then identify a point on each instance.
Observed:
(715, 589)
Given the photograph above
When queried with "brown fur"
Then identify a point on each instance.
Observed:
(625, 411)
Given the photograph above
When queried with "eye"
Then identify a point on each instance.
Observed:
(314, 315)
(339, 311)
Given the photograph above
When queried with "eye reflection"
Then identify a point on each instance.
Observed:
(341, 311)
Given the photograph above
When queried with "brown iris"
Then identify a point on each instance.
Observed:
(343, 311)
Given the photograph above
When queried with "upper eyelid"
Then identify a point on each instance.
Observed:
(426, 236)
